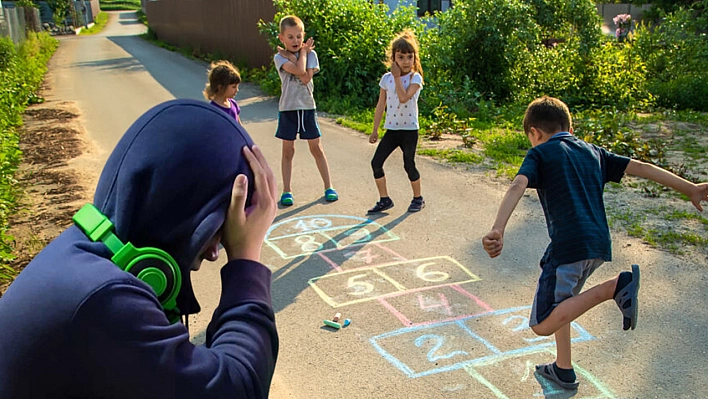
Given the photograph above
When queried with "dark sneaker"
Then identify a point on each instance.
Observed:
(382, 205)
(416, 205)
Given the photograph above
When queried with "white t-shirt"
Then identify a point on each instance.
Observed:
(401, 116)
(294, 95)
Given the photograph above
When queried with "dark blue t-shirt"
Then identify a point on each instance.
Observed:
(570, 175)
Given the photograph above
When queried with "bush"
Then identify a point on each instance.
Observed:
(479, 40)
(609, 129)
(482, 45)
(676, 56)
(351, 37)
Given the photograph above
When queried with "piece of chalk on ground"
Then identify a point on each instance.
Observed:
(336, 317)
(347, 322)
(332, 324)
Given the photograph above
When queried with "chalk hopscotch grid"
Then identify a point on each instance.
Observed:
(323, 254)
(407, 322)
(399, 287)
(549, 388)
(497, 355)
(325, 233)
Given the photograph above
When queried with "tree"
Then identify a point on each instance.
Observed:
(60, 10)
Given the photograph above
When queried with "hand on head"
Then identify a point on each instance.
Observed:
(245, 229)
(493, 243)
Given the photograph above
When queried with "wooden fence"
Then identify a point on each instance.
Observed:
(226, 27)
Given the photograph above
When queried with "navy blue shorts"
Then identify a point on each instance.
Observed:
(302, 122)
(558, 283)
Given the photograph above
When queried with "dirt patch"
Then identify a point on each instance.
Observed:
(54, 186)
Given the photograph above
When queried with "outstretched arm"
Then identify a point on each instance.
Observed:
(696, 192)
(493, 242)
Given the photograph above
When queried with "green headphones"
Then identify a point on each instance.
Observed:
(153, 266)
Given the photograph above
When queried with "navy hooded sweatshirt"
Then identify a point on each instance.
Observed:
(74, 325)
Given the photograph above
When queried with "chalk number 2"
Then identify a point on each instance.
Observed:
(438, 342)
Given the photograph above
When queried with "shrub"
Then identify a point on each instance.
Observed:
(351, 37)
(480, 50)
(609, 130)
(479, 40)
(676, 56)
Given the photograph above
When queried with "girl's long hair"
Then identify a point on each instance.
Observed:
(406, 43)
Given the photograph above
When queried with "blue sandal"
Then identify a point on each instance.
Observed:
(627, 301)
(331, 195)
(286, 199)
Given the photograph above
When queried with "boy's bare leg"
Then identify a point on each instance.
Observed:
(416, 188)
(563, 353)
(381, 186)
(286, 163)
(321, 161)
(573, 307)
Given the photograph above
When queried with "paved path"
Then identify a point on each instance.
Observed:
(432, 316)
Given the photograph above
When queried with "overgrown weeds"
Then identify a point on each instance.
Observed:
(21, 71)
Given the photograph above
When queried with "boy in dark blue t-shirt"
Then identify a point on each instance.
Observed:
(569, 176)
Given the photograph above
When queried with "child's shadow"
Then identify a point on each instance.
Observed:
(553, 391)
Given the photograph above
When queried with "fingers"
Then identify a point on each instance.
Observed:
(266, 187)
(239, 192)
(493, 243)
(700, 195)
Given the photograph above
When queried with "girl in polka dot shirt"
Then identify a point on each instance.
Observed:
(398, 98)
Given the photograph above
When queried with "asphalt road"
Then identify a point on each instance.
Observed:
(431, 315)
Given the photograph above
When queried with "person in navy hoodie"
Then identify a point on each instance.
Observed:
(95, 314)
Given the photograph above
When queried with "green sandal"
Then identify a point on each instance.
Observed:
(331, 195)
(286, 199)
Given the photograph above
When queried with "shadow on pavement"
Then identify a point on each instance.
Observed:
(293, 278)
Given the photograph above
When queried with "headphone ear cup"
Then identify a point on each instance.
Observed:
(159, 272)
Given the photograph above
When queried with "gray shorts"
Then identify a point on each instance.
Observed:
(558, 283)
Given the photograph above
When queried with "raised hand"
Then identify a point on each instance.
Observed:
(286, 54)
(308, 45)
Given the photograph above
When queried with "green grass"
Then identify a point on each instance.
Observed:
(452, 155)
(100, 23)
(358, 126)
(680, 233)
(119, 5)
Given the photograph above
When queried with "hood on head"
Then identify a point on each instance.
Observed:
(167, 184)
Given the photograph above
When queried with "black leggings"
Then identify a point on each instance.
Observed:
(408, 141)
